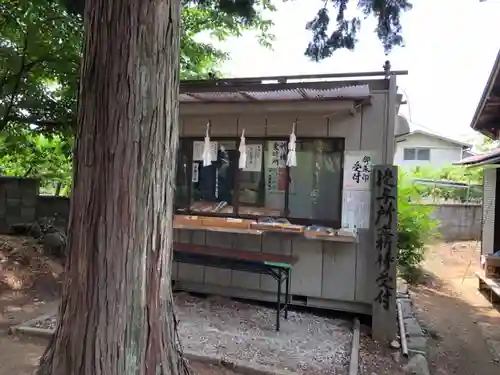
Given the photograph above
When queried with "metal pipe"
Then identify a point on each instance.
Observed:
(402, 331)
(354, 360)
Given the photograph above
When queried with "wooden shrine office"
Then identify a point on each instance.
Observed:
(242, 186)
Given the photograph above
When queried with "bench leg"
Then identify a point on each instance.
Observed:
(287, 292)
(278, 302)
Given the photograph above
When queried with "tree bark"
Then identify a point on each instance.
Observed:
(116, 314)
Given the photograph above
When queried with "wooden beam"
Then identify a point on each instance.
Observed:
(381, 84)
(287, 79)
(304, 106)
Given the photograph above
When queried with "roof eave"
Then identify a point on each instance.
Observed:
(493, 79)
(444, 139)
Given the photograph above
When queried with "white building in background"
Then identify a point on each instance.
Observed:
(421, 148)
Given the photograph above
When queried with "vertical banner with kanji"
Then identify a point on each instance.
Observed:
(356, 189)
(384, 216)
(276, 165)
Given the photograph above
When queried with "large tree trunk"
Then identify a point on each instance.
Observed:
(117, 308)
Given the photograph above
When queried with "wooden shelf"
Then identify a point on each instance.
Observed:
(334, 237)
(248, 227)
(493, 284)
(218, 229)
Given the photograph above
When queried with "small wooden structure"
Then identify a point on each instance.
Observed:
(339, 223)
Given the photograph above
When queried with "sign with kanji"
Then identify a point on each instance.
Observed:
(385, 246)
(198, 150)
(358, 167)
(254, 158)
(277, 151)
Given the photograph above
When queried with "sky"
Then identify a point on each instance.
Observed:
(450, 47)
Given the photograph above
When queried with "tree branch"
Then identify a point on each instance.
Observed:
(19, 76)
(40, 122)
(25, 68)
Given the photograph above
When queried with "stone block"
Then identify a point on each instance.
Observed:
(13, 192)
(412, 327)
(12, 211)
(29, 199)
(402, 287)
(12, 202)
(406, 307)
(28, 214)
(30, 184)
(13, 219)
(417, 366)
(417, 344)
(4, 227)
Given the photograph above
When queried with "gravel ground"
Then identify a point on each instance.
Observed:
(215, 326)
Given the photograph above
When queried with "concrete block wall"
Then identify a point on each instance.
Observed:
(18, 198)
(53, 207)
(459, 222)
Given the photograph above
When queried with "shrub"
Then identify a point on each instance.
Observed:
(416, 227)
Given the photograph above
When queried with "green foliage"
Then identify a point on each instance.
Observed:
(40, 57)
(199, 59)
(473, 177)
(39, 64)
(455, 173)
(485, 144)
(47, 158)
(344, 34)
(415, 226)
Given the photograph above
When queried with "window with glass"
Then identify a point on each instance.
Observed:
(310, 193)
(423, 154)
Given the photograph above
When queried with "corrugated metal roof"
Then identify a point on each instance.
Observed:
(492, 157)
(192, 95)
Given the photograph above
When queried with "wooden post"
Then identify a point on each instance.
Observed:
(384, 228)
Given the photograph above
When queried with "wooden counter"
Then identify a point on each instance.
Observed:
(218, 229)
(333, 237)
(244, 227)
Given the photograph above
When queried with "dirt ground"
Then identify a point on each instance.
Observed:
(463, 325)
(20, 355)
(29, 287)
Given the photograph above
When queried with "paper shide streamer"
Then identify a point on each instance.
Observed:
(291, 160)
(207, 149)
(243, 151)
